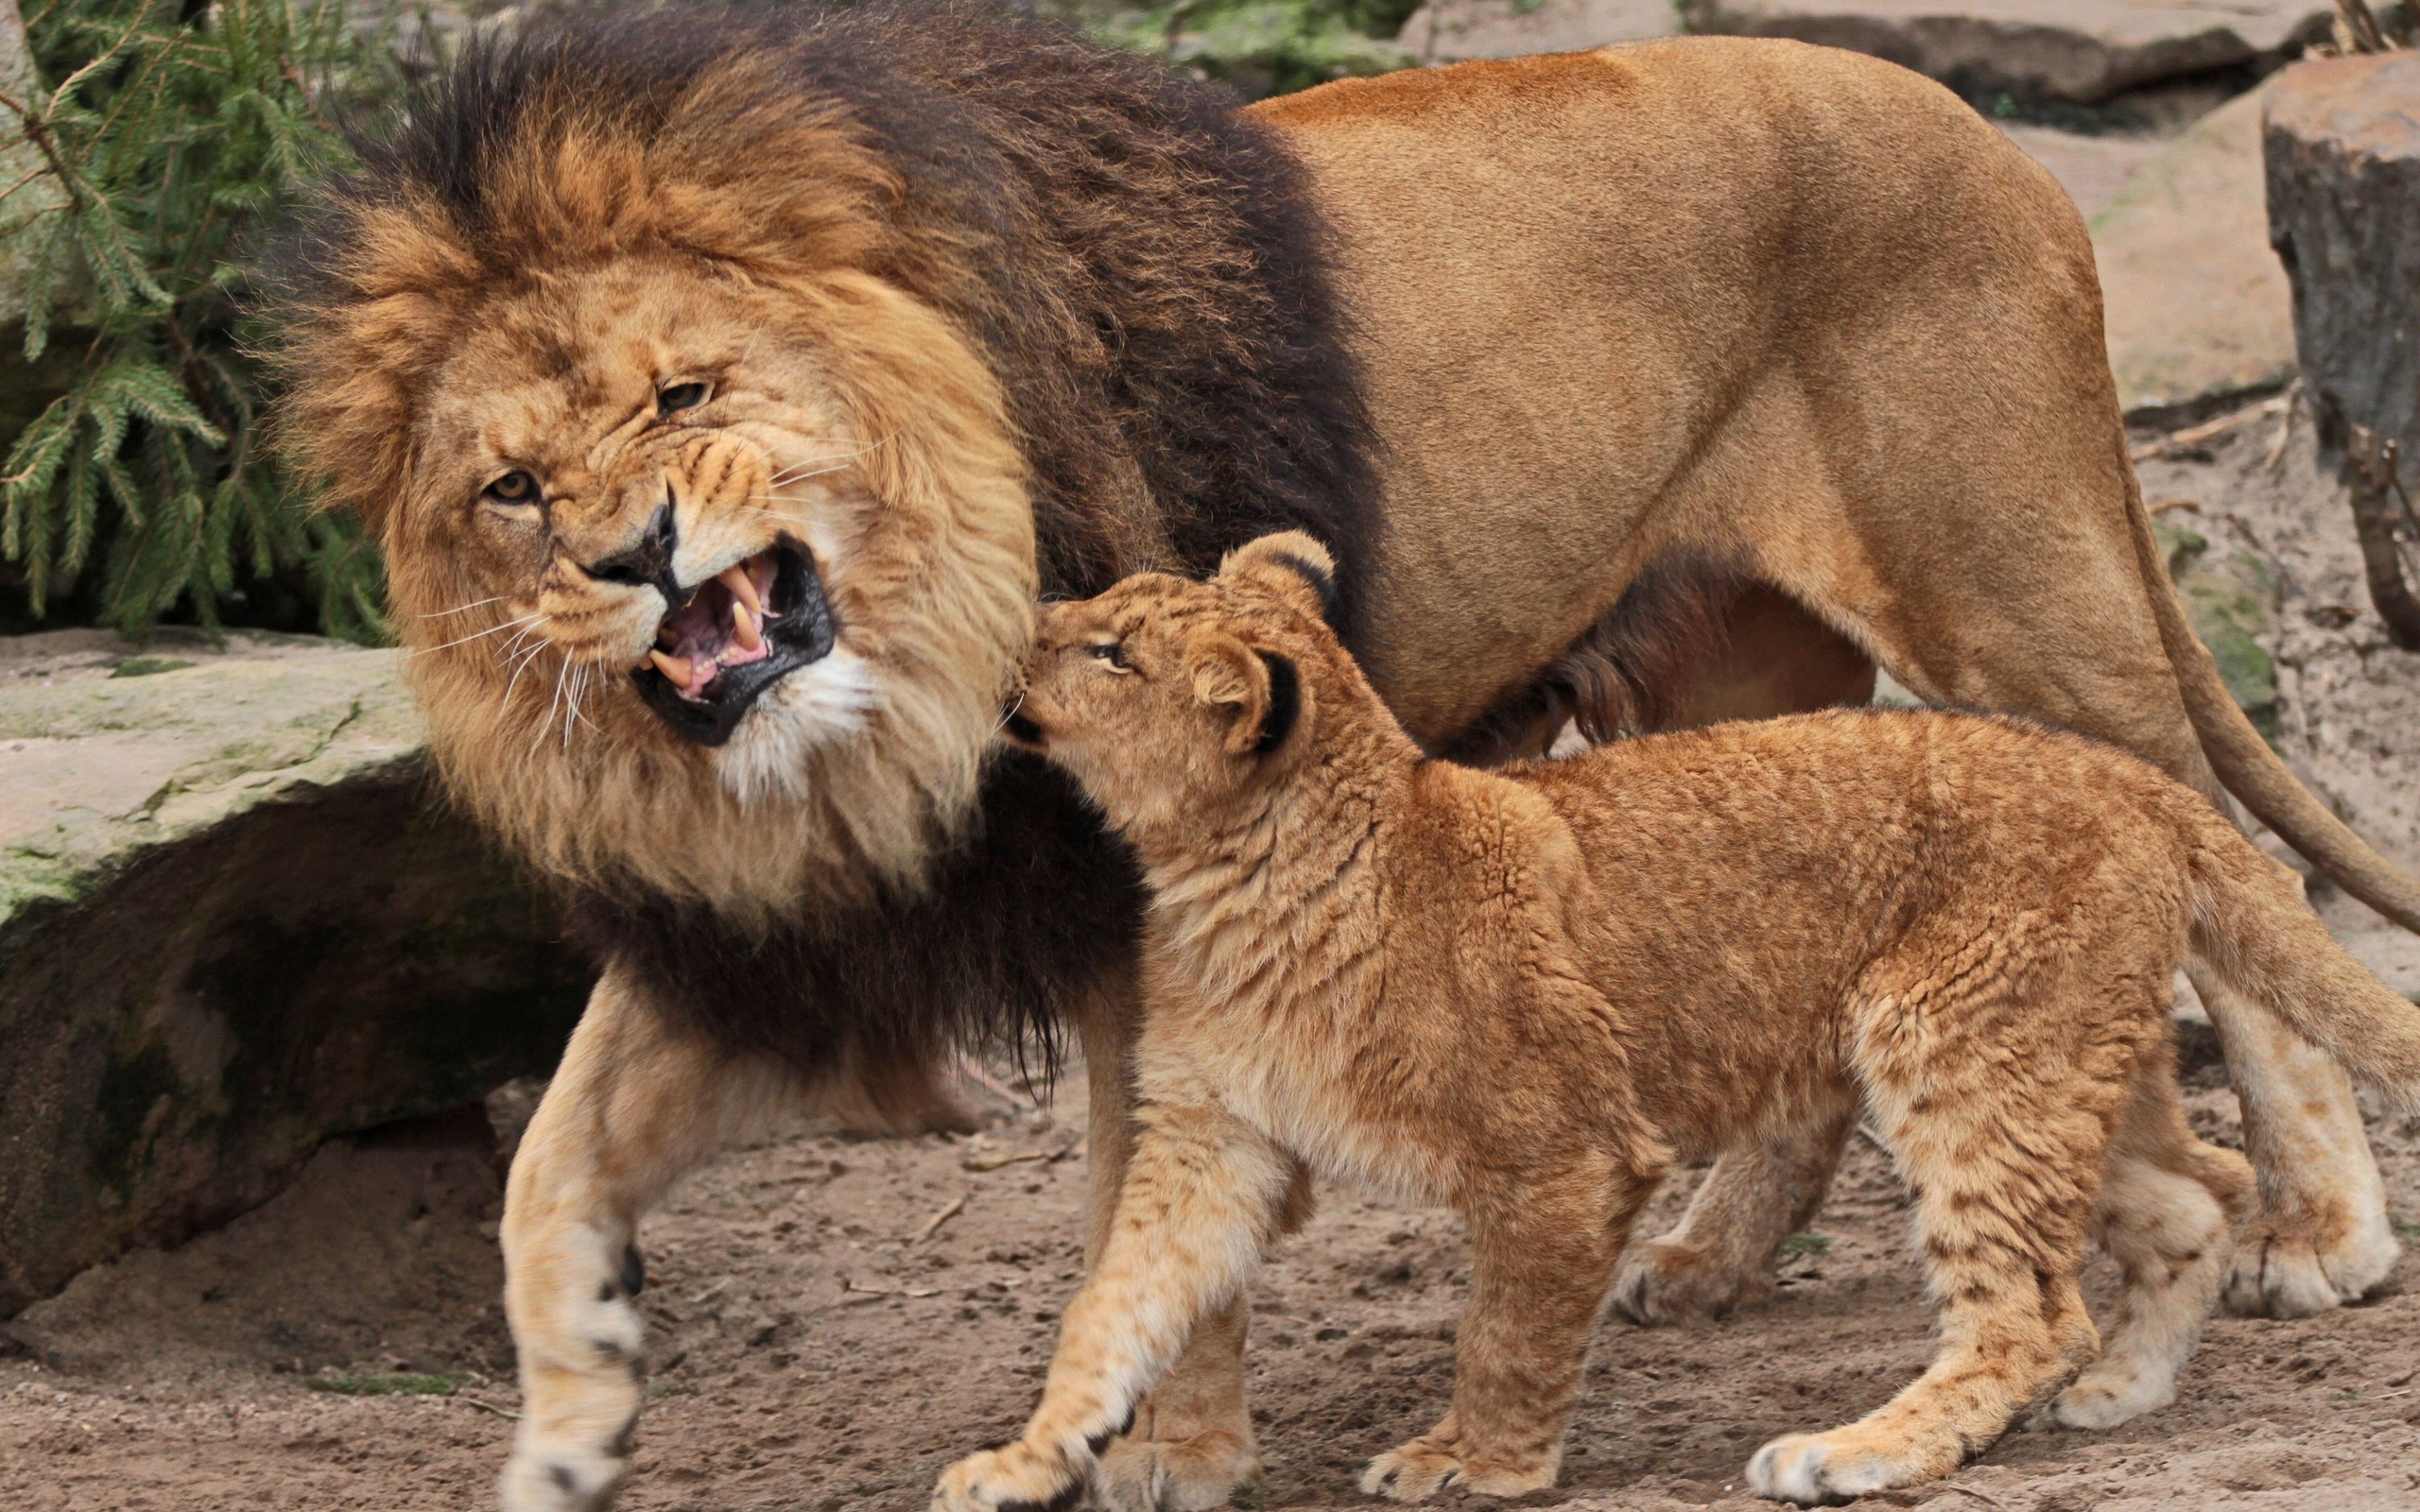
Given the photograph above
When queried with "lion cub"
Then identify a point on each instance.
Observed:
(1530, 992)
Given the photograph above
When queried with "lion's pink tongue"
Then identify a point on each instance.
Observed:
(718, 628)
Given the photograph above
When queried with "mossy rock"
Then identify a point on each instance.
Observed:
(235, 921)
(2231, 600)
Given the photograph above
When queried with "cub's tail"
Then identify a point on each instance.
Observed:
(2250, 924)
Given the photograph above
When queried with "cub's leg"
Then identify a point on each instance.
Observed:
(1191, 1444)
(1721, 1257)
(2168, 1208)
(634, 1106)
(1542, 1258)
(1204, 1194)
(2005, 1152)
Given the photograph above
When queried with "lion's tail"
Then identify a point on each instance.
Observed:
(2244, 762)
(2251, 926)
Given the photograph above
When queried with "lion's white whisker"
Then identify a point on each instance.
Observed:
(496, 629)
(465, 609)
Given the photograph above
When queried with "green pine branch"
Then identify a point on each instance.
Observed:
(167, 143)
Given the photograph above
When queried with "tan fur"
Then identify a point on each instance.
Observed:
(1529, 993)
(1753, 303)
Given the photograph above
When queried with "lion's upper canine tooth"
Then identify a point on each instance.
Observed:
(743, 587)
(744, 627)
(677, 668)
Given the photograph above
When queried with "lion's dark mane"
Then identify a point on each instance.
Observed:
(1141, 264)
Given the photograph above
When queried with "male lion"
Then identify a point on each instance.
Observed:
(1528, 993)
(723, 387)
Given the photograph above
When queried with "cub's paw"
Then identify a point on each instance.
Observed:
(1417, 1470)
(538, 1479)
(1174, 1475)
(2288, 1268)
(1663, 1281)
(1818, 1470)
(1015, 1477)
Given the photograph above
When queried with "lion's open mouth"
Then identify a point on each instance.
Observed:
(737, 634)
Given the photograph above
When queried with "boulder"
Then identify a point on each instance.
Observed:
(1451, 31)
(2078, 51)
(234, 921)
(2198, 311)
(2343, 148)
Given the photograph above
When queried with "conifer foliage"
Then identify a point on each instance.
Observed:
(164, 133)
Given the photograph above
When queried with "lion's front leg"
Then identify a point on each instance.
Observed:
(1191, 1443)
(632, 1107)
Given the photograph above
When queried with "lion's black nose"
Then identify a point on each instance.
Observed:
(648, 561)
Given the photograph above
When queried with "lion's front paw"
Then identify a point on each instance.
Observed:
(1175, 1475)
(1015, 1477)
(2289, 1268)
(1417, 1470)
(1663, 1281)
(542, 1479)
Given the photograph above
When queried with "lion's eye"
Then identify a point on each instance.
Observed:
(1112, 652)
(515, 487)
(682, 396)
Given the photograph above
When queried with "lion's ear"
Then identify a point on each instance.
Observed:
(1260, 689)
(1291, 565)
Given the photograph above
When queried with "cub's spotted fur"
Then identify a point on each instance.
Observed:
(1529, 994)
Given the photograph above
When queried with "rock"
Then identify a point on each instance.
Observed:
(2196, 308)
(2082, 51)
(2343, 146)
(233, 920)
(2232, 601)
(1450, 32)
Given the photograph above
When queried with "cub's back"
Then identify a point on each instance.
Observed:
(1857, 810)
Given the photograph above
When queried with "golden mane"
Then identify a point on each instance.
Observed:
(1067, 315)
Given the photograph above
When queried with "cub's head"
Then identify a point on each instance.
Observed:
(705, 531)
(1167, 698)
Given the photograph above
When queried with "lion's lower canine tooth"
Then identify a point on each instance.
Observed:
(674, 667)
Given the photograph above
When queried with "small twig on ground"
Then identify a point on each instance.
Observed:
(992, 1163)
(2285, 427)
(488, 1406)
(856, 1288)
(2192, 436)
(933, 1224)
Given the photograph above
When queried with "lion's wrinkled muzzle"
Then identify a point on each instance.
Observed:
(733, 637)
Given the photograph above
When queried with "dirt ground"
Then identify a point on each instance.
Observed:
(833, 1318)
(813, 1353)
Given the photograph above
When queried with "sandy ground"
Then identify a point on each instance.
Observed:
(813, 1353)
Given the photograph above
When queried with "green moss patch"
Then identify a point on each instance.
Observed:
(401, 1383)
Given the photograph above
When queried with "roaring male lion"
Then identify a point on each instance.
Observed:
(1528, 992)
(723, 387)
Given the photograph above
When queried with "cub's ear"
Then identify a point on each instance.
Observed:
(1293, 566)
(1262, 689)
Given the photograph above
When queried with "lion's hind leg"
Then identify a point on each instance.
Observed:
(2168, 1208)
(634, 1106)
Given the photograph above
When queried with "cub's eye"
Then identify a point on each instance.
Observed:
(515, 487)
(682, 396)
(1110, 651)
